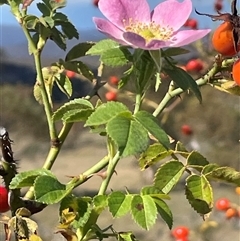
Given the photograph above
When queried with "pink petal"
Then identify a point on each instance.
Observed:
(172, 13)
(157, 44)
(109, 29)
(185, 37)
(118, 10)
(138, 41)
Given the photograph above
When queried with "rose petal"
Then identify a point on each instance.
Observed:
(172, 13)
(118, 10)
(138, 41)
(157, 44)
(185, 37)
(109, 29)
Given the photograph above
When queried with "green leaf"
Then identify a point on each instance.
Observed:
(144, 211)
(152, 155)
(174, 52)
(125, 132)
(126, 236)
(37, 93)
(67, 27)
(77, 105)
(168, 175)
(199, 193)
(58, 38)
(151, 124)
(43, 22)
(60, 17)
(183, 80)
(181, 150)
(47, 3)
(76, 115)
(79, 67)
(69, 30)
(179, 76)
(80, 206)
(98, 207)
(226, 174)
(154, 192)
(57, 4)
(78, 51)
(100, 203)
(180, 147)
(164, 211)
(43, 8)
(49, 21)
(207, 170)
(126, 77)
(64, 84)
(105, 112)
(119, 203)
(229, 87)
(102, 46)
(49, 190)
(112, 54)
(144, 71)
(26, 179)
(196, 159)
(116, 57)
(31, 21)
(157, 58)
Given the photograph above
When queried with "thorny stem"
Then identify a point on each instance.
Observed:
(54, 150)
(200, 82)
(91, 171)
(114, 157)
(110, 170)
(52, 154)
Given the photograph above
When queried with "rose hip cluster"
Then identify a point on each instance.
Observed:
(226, 37)
(180, 233)
(111, 95)
(230, 209)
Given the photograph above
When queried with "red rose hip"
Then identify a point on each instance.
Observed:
(4, 207)
(111, 96)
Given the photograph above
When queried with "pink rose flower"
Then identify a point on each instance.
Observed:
(131, 23)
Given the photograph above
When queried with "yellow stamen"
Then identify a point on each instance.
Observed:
(148, 31)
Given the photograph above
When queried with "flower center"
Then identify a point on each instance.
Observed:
(149, 31)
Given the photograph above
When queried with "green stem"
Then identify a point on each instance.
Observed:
(52, 154)
(91, 171)
(54, 151)
(138, 101)
(175, 92)
(46, 103)
(110, 170)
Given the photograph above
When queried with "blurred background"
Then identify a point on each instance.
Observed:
(212, 127)
(80, 13)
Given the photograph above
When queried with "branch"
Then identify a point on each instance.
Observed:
(200, 82)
